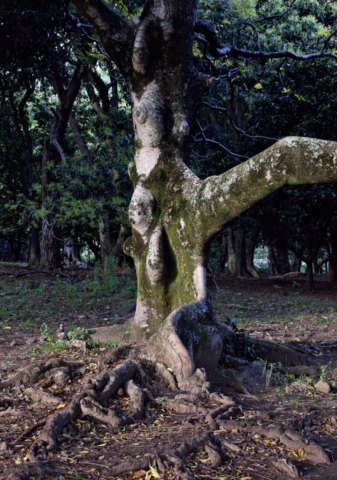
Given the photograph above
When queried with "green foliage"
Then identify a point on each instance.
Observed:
(107, 283)
(79, 333)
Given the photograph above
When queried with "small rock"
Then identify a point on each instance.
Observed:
(13, 343)
(31, 340)
(120, 392)
(323, 387)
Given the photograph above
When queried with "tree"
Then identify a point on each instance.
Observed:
(174, 215)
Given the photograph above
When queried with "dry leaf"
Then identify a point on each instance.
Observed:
(61, 405)
(301, 452)
(154, 472)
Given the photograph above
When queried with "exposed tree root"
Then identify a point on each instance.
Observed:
(176, 457)
(42, 398)
(93, 402)
(30, 470)
(55, 371)
(309, 451)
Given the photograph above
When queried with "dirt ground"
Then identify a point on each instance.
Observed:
(274, 309)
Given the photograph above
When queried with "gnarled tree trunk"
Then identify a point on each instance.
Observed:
(175, 215)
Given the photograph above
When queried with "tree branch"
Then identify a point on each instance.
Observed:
(290, 161)
(239, 130)
(115, 32)
(217, 144)
(217, 49)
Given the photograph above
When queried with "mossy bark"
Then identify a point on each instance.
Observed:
(174, 215)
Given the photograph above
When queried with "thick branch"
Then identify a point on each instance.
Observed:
(115, 32)
(217, 49)
(291, 161)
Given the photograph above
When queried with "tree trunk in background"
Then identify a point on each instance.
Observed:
(82, 146)
(95, 249)
(317, 268)
(106, 239)
(240, 254)
(271, 264)
(50, 248)
(34, 247)
(280, 260)
(224, 253)
(52, 155)
(71, 250)
(333, 254)
(50, 245)
(118, 248)
(296, 262)
(231, 251)
(309, 281)
(251, 241)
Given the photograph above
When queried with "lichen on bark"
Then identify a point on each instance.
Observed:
(174, 215)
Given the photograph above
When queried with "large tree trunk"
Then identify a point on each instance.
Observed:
(175, 215)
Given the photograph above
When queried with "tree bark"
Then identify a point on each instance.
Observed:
(309, 281)
(34, 247)
(224, 253)
(251, 240)
(50, 249)
(231, 250)
(280, 259)
(296, 262)
(175, 216)
(82, 146)
(333, 254)
(240, 254)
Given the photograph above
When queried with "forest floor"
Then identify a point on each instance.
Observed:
(274, 309)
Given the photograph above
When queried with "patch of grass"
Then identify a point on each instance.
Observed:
(79, 333)
(52, 346)
(111, 344)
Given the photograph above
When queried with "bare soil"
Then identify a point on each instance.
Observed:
(270, 308)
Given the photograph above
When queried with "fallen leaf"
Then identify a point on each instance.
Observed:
(61, 405)
(154, 472)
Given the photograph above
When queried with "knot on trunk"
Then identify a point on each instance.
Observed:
(141, 209)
